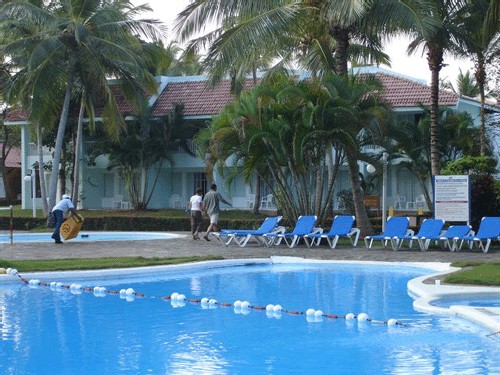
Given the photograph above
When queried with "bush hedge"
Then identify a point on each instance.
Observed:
(151, 224)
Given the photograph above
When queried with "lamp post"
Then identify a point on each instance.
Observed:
(33, 189)
(385, 157)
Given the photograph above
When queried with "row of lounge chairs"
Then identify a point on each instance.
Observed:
(397, 232)
(431, 231)
(271, 234)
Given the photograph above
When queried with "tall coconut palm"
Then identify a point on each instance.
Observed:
(318, 34)
(480, 20)
(442, 37)
(465, 85)
(77, 41)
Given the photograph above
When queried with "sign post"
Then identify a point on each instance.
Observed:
(451, 198)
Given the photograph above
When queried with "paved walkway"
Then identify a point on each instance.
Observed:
(185, 246)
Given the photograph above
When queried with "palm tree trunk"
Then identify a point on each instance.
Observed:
(435, 61)
(481, 79)
(362, 220)
(41, 174)
(258, 193)
(341, 36)
(54, 176)
(78, 151)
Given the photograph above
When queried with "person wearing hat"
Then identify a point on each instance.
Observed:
(59, 209)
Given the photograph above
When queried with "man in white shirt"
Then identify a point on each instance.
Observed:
(196, 207)
(59, 209)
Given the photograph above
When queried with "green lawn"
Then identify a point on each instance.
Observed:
(475, 274)
(96, 263)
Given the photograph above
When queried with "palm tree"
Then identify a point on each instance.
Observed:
(141, 150)
(465, 85)
(480, 21)
(269, 131)
(436, 40)
(408, 143)
(355, 101)
(318, 34)
(76, 42)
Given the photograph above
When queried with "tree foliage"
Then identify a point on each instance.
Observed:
(141, 150)
(288, 131)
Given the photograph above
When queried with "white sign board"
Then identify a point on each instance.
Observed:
(451, 198)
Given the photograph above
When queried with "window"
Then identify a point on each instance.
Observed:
(109, 185)
(200, 180)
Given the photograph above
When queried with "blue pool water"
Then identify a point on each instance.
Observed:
(47, 330)
(486, 301)
(85, 236)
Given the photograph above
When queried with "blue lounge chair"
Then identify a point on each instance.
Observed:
(395, 227)
(303, 226)
(342, 226)
(446, 238)
(430, 228)
(242, 236)
(489, 230)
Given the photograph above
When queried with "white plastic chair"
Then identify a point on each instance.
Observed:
(250, 200)
(410, 205)
(175, 201)
(117, 201)
(420, 202)
(400, 202)
(267, 201)
(107, 203)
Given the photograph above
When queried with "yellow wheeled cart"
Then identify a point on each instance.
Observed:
(70, 227)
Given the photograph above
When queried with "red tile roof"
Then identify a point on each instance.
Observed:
(197, 97)
(13, 159)
(125, 108)
(16, 115)
(401, 92)
(201, 100)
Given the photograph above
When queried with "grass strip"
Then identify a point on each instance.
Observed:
(474, 273)
(71, 264)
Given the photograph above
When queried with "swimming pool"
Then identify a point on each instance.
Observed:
(86, 236)
(51, 330)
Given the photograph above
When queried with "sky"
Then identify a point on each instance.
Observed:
(413, 66)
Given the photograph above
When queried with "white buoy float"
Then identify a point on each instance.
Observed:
(310, 317)
(270, 311)
(237, 307)
(318, 315)
(245, 307)
(100, 291)
(392, 322)
(349, 316)
(75, 289)
(363, 317)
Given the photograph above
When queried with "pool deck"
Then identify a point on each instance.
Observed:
(185, 246)
(424, 289)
